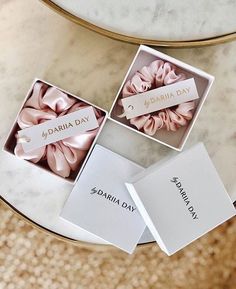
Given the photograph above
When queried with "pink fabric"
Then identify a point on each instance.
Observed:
(47, 103)
(157, 74)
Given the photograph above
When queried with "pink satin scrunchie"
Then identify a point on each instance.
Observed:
(47, 103)
(157, 74)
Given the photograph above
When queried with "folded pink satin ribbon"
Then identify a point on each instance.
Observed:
(63, 156)
(157, 74)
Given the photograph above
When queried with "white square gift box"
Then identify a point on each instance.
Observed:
(55, 129)
(166, 96)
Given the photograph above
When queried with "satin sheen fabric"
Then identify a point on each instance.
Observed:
(157, 74)
(47, 103)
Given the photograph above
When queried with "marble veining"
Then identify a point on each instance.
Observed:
(35, 42)
(157, 19)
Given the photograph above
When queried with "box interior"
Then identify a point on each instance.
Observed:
(10, 143)
(174, 139)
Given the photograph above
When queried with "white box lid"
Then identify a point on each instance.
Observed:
(181, 199)
(101, 204)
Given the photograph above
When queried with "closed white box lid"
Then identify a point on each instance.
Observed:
(100, 202)
(181, 199)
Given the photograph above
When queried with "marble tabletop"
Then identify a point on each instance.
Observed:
(167, 20)
(36, 42)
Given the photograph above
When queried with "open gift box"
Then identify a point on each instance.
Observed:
(168, 72)
(57, 131)
(63, 130)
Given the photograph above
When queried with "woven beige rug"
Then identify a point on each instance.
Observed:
(32, 259)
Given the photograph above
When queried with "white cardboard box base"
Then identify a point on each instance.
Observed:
(144, 56)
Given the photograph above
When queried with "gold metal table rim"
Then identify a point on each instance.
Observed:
(124, 38)
(135, 40)
(83, 244)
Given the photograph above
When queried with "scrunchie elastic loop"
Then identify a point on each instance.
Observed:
(157, 74)
(47, 103)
